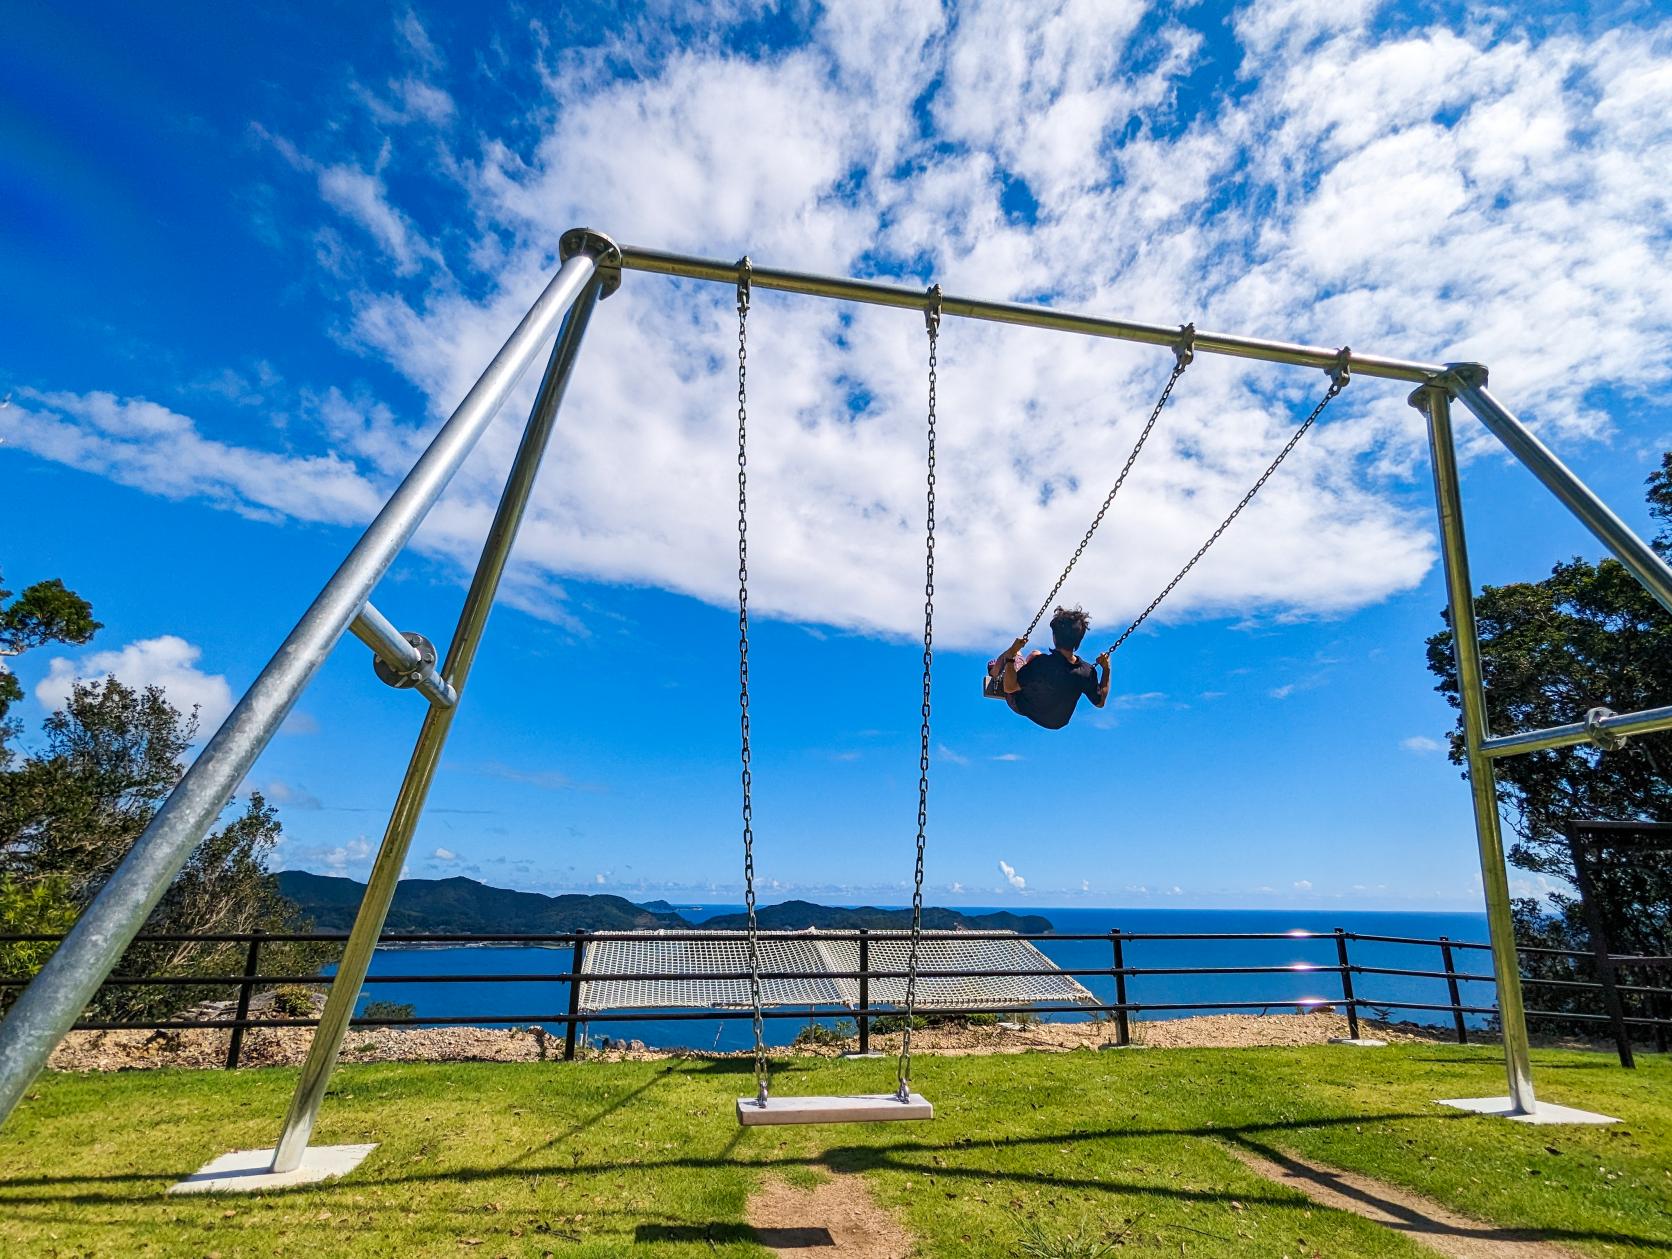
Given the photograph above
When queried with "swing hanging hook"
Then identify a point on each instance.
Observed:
(745, 269)
(1184, 349)
(932, 309)
(1341, 373)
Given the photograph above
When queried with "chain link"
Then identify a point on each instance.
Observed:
(1339, 379)
(1185, 354)
(761, 1072)
(931, 319)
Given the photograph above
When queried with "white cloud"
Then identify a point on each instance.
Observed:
(290, 795)
(1422, 744)
(445, 854)
(1303, 885)
(1085, 885)
(1415, 192)
(168, 661)
(1011, 877)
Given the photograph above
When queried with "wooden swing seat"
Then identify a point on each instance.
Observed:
(861, 1108)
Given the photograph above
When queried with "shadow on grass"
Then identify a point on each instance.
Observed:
(916, 1158)
(720, 1234)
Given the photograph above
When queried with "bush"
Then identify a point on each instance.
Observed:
(388, 1010)
(38, 907)
(293, 1001)
(822, 1036)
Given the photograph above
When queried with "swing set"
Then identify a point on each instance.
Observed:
(591, 268)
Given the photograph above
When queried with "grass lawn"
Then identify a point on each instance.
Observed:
(609, 1159)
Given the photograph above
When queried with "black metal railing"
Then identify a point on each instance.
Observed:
(1653, 1003)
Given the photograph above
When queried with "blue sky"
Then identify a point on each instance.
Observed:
(251, 266)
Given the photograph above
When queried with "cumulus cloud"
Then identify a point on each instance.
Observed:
(1372, 180)
(1422, 744)
(444, 854)
(169, 662)
(1303, 885)
(1011, 877)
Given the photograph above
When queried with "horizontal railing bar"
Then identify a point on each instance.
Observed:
(901, 297)
(652, 1014)
(1460, 976)
(1592, 985)
(1366, 1003)
(591, 977)
(1435, 943)
(1645, 721)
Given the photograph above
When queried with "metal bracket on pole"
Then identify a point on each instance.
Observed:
(1600, 734)
(604, 252)
(405, 661)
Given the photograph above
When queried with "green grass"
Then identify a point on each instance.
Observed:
(611, 1159)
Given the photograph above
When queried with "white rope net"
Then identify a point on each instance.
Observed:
(726, 952)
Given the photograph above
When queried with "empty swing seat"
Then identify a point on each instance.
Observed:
(861, 1108)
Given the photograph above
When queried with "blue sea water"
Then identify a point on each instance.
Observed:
(538, 1000)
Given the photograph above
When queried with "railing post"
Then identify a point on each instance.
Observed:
(252, 960)
(864, 990)
(1451, 986)
(1123, 1029)
(1347, 983)
(574, 995)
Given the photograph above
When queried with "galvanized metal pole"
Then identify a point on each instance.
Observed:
(1434, 401)
(426, 754)
(1469, 379)
(50, 1005)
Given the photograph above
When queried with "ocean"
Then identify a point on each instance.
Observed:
(1284, 991)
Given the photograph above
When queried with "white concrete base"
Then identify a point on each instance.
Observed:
(1363, 1042)
(1543, 1112)
(245, 1171)
(869, 1053)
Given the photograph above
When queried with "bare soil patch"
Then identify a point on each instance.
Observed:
(836, 1217)
(1424, 1221)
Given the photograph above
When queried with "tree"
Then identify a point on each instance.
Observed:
(70, 811)
(1586, 636)
(44, 613)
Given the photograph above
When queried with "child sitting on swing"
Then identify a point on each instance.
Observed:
(1046, 687)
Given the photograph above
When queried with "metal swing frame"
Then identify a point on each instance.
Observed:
(591, 268)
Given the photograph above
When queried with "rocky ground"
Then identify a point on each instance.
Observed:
(286, 1046)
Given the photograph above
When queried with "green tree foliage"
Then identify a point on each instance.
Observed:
(44, 613)
(38, 907)
(71, 809)
(1586, 636)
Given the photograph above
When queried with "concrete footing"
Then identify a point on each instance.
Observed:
(245, 1171)
(1542, 1113)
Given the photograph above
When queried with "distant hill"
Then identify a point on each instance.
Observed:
(799, 915)
(464, 905)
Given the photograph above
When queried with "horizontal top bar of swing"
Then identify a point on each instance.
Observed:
(657, 262)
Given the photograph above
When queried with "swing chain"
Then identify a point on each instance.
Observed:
(1184, 353)
(1340, 376)
(743, 273)
(931, 320)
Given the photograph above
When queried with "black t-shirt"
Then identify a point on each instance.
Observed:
(1051, 687)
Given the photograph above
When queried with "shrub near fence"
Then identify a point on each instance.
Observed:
(1354, 981)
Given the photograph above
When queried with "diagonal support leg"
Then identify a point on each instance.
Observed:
(409, 803)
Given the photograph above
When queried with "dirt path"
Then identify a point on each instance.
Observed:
(1425, 1222)
(836, 1217)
